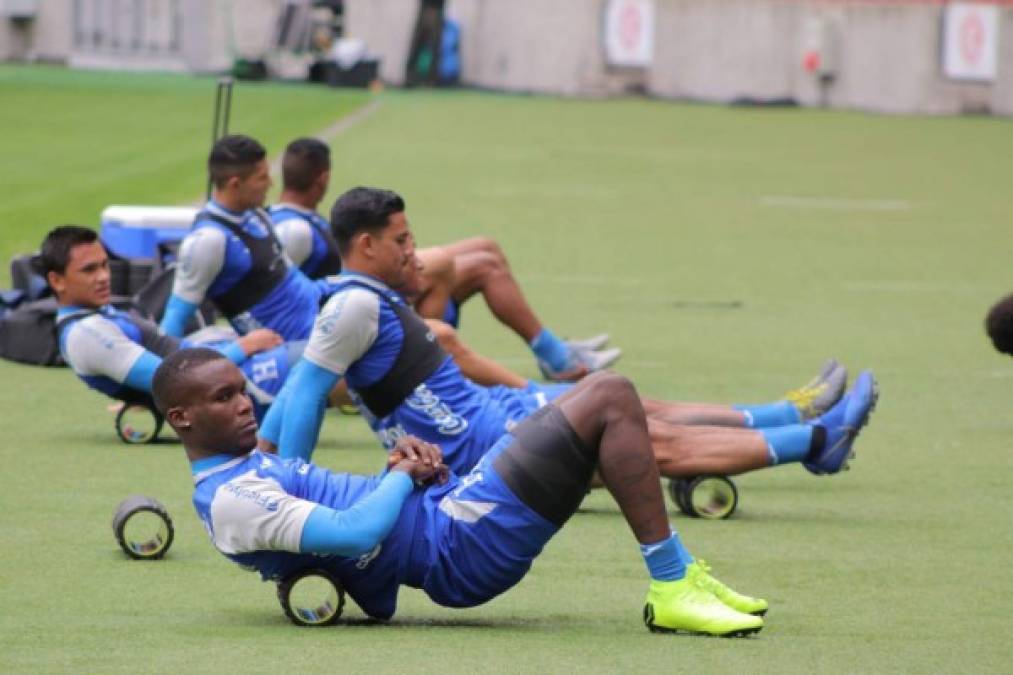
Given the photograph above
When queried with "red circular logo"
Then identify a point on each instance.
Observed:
(630, 26)
(972, 38)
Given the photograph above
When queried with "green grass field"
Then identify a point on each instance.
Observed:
(728, 251)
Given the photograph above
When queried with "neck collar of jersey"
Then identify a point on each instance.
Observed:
(366, 280)
(219, 210)
(207, 466)
(294, 207)
(66, 310)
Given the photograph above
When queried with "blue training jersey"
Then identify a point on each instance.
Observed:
(254, 508)
(359, 335)
(212, 261)
(103, 346)
(303, 233)
(462, 543)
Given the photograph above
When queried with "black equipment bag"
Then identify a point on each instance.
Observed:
(28, 334)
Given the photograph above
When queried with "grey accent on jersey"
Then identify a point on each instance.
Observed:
(97, 346)
(345, 329)
(201, 258)
(296, 236)
(252, 513)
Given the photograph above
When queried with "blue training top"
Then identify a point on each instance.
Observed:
(213, 260)
(462, 543)
(359, 336)
(117, 352)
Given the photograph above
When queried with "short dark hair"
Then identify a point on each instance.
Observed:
(234, 155)
(304, 160)
(362, 209)
(169, 384)
(999, 325)
(54, 254)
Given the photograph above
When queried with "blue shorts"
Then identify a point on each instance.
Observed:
(485, 538)
(265, 373)
(507, 408)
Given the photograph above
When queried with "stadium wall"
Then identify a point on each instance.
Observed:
(886, 54)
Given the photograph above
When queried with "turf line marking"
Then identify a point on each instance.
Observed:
(329, 133)
(835, 203)
(585, 279)
(909, 287)
(338, 128)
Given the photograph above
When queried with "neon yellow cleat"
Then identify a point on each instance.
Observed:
(822, 392)
(683, 606)
(699, 573)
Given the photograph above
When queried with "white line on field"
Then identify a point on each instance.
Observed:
(327, 134)
(516, 361)
(584, 279)
(335, 130)
(835, 203)
(909, 287)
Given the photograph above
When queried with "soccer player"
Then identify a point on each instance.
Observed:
(463, 541)
(233, 256)
(116, 352)
(407, 385)
(453, 273)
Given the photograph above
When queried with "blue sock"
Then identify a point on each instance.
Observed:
(777, 414)
(666, 560)
(552, 350)
(788, 444)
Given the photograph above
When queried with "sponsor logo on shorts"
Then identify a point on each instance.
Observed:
(391, 435)
(264, 370)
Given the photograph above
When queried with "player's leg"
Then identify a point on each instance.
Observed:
(482, 267)
(600, 424)
(436, 281)
(798, 405)
(823, 446)
(475, 366)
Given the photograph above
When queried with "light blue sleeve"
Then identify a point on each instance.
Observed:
(295, 424)
(232, 351)
(177, 312)
(358, 529)
(142, 372)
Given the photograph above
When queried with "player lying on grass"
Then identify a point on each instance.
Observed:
(407, 385)
(453, 273)
(116, 352)
(463, 541)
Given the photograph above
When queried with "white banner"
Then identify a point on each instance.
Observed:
(971, 41)
(629, 32)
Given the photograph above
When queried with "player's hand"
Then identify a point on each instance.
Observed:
(259, 340)
(422, 461)
(266, 446)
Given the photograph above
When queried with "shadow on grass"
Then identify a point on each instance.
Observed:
(260, 618)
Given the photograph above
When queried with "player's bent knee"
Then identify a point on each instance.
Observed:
(614, 392)
(547, 466)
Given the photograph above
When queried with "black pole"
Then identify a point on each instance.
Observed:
(220, 120)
